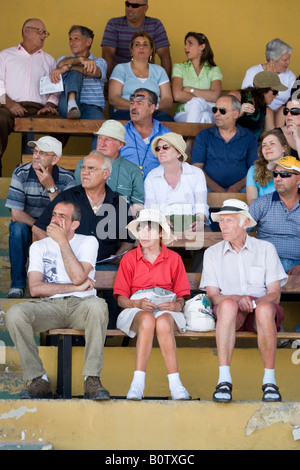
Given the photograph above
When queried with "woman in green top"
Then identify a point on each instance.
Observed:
(196, 83)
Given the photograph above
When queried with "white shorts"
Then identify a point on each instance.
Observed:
(126, 317)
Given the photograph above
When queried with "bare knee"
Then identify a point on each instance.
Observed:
(264, 314)
(227, 310)
(164, 324)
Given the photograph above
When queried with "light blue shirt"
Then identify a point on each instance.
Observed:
(138, 150)
(123, 74)
(268, 188)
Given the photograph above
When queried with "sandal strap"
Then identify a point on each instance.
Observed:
(221, 387)
(275, 388)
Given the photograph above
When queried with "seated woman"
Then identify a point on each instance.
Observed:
(196, 83)
(256, 115)
(150, 285)
(176, 188)
(291, 129)
(278, 55)
(259, 181)
(140, 72)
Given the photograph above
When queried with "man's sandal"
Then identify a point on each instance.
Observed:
(223, 387)
(271, 389)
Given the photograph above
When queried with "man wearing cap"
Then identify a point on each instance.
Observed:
(125, 178)
(243, 278)
(278, 214)
(32, 187)
(119, 31)
(141, 130)
(226, 150)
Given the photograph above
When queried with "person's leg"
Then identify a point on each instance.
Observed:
(165, 327)
(70, 97)
(265, 326)
(20, 238)
(91, 112)
(7, 120)
(144, 325)
(22, 320)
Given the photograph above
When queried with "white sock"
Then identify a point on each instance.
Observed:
(224, 374)
(72, 104)
(174, 380)
(139, 378)
(269, 377)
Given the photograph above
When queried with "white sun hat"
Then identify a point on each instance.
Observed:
(233, 206)
(152, 215)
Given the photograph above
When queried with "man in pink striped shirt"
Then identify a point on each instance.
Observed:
(21, 69)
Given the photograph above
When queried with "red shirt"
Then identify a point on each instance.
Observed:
(167, 272)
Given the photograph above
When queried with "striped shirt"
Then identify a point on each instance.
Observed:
(92, 91)
(278, 225)
(118, 34)
(26, 192)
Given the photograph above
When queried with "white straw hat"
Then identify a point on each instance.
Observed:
(233, 206)
(152, 215)
(176, 140)
(112, 128)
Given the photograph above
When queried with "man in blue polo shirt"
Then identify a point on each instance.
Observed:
(278, 214)
(33, 186)
(141, 130)
(225, 151)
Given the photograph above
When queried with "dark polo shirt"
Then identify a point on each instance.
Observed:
(108, 225)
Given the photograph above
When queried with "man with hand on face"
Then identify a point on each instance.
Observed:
(33, 186)
(61, 271)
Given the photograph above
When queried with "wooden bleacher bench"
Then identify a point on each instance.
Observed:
(105, 280)
(89, 126)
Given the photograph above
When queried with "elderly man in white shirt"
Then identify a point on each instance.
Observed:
(243, 278)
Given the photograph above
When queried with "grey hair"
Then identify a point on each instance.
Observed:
(106, 164)
(235, 103)
(275, 48)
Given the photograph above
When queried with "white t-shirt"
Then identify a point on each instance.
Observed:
(45, 257)
(287, 78)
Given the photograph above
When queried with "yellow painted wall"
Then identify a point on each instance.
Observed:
(238, 31)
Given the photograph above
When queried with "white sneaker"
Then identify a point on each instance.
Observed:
(135, 392)
(180, 393)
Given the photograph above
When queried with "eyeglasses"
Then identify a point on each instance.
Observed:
(164, 147)
(39, 30)
(42, 154)
(91, 169)
(137, 98)
(293, 111)
(222, 110)
(284, 174)
(275, 92)
(134, 5)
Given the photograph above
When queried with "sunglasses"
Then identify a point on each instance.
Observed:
(283, 174)
(293, 111)
(222, 110)
(133, 5)
(275, 92)
(164, 147)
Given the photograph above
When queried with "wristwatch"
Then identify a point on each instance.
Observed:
(192, 90)
(69, 66)
(52, 190)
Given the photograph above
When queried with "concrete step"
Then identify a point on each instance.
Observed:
(4, 232)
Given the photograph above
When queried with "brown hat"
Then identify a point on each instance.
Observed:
(268, 79)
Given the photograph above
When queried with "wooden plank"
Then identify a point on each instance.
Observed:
(215, 200)
(88, 126)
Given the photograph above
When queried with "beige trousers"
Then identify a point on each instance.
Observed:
(89, 314)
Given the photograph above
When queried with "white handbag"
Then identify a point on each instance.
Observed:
(198, 314)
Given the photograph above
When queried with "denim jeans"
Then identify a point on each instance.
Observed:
(73, 82)
(20, 238)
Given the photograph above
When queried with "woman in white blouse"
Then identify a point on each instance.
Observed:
(176, 188)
